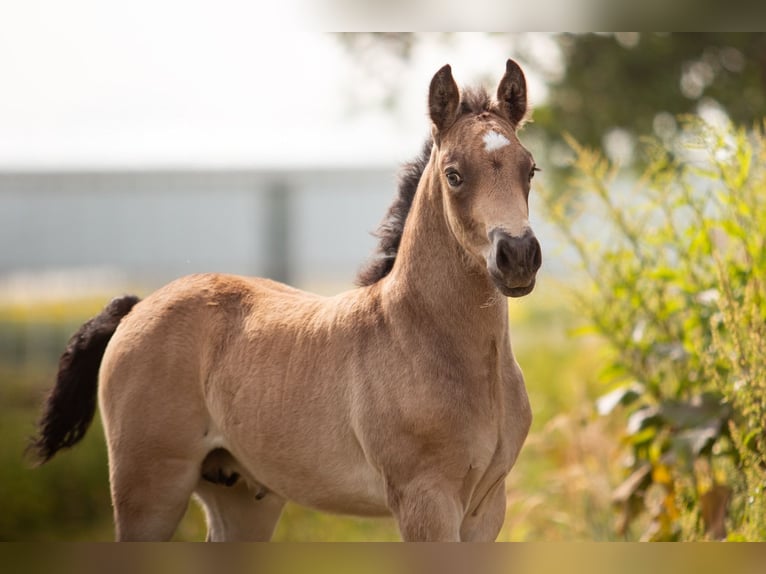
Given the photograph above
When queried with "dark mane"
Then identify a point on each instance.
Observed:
(390, 229)
(473, 101)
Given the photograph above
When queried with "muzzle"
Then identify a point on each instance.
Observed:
(513, 262)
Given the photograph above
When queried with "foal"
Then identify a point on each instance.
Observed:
(399, 397)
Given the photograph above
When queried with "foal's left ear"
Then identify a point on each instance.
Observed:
(512, 93)
(443, 99)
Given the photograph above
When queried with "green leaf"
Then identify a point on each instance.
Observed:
(624, 395)
(663, 274)
(700, 412)
(695, 441)
(642, 438)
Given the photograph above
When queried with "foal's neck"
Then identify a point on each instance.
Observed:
(436, 279)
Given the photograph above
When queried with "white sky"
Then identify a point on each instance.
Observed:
(178, 83)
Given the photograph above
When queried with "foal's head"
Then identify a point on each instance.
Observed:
(485, 174)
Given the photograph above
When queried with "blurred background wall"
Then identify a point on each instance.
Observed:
(147, 227)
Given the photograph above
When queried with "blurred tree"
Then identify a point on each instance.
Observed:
(615, 86)
(640, 82)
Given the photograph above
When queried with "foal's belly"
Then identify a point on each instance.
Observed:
(351, 489)
(331, 475)
(356, 490)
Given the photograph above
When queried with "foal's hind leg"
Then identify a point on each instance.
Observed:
(151, 496)
(237, 513)
(155, 454)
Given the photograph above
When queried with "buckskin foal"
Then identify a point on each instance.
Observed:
(400, 397)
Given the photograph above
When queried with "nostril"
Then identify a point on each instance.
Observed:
(503, 257)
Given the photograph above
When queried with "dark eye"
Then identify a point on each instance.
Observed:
(453, 178)
(532, 172)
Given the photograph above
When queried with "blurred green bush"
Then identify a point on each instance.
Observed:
(676, 283)
(69, 497)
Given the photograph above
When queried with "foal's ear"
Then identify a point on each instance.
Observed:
(443, 99)
(512, 93)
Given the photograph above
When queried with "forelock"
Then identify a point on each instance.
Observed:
(475, 101)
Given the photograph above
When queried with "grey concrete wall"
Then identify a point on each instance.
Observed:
(310, 226)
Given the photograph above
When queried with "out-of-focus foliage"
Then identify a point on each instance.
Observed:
(608, 88)
(677, 269)
(640, 82)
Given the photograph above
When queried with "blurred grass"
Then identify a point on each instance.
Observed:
(558, 490)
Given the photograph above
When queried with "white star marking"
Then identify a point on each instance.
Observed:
(494, 141)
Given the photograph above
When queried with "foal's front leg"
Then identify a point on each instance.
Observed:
(485, 522)
(427, 510)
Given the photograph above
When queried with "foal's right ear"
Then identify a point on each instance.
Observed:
(443, 99)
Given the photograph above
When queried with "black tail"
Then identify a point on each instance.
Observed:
(71, 404)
